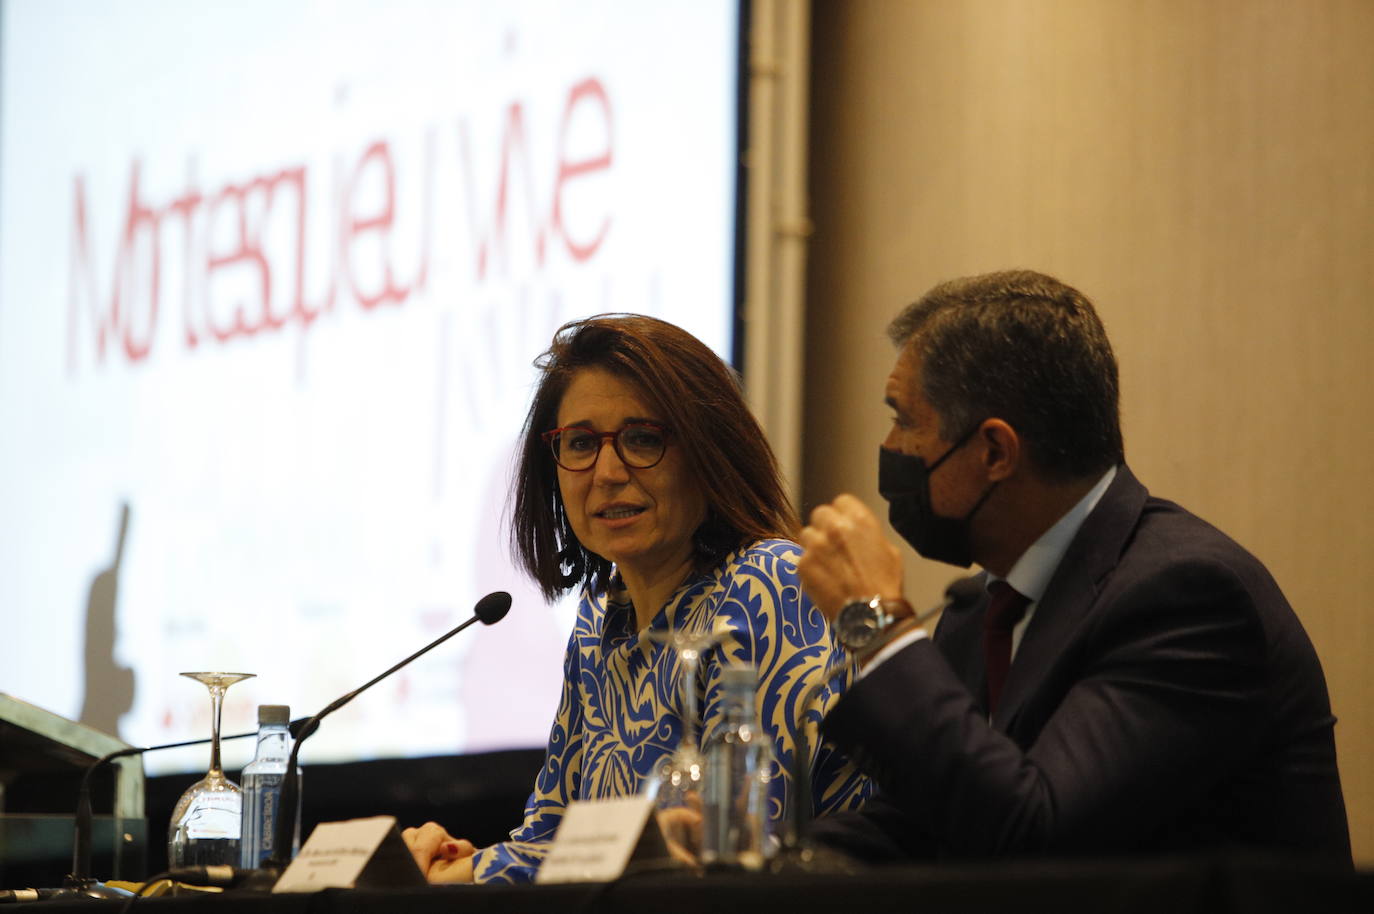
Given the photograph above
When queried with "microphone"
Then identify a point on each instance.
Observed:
(216, 875)
(489, 610)
(797, 852)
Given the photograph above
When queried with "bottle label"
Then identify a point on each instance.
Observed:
(268, 817)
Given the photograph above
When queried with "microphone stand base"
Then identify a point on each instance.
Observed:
(90, 888)
(806, 858)
(259, 880)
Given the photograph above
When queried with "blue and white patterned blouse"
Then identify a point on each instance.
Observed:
(619, 714)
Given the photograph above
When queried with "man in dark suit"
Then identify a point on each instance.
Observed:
(1161, 695)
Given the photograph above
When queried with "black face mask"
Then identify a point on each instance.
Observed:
(904, 481)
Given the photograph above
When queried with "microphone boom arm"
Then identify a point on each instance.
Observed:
(489, 610)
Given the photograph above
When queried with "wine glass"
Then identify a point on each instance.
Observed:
(206, 820)
(678, 777)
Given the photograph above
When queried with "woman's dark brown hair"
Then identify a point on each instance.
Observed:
(693, 392)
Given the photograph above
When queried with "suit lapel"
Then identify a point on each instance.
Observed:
(1072, 592)
(960, 637)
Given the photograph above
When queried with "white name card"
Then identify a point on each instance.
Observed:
(596, 839)
(352, 854)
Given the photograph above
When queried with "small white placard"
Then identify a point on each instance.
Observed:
(596, 838)
(338, 853)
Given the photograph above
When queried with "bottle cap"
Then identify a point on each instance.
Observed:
(274, 715)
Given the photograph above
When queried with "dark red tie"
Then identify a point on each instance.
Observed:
(1005, 609)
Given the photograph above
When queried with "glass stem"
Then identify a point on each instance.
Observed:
(690, 659)
(216, 705)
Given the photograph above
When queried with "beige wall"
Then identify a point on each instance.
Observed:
(1205, 173)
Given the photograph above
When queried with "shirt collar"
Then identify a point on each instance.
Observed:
(1032, 572)
(620, 625)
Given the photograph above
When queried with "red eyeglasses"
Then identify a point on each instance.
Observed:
(639, 445)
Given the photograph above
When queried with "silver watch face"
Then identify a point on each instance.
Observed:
(859, 624)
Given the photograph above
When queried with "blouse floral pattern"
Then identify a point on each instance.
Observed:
(619, 714)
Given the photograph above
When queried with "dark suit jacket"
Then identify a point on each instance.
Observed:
(1164, 698)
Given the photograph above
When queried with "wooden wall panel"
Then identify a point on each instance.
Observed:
(1205, 173)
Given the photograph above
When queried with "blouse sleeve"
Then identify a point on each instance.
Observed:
(517, 860)
(773, 626)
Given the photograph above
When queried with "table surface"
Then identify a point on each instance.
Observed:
(1210, 885)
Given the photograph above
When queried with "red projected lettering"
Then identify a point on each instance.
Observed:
(246, 246)
(228, 213)
(132, 312)
(587, 99)
(587, 93)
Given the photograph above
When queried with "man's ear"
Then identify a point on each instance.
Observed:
(1001, 449)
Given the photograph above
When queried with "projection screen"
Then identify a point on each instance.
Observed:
(272, 279)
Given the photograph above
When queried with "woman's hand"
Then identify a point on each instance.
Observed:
(681, 827)
(439, 855)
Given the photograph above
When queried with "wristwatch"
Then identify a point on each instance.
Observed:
(862, 624)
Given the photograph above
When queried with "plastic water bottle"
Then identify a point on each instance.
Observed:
(262, 779)
(739, 766)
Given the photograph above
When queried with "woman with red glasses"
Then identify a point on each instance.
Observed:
(645, 481)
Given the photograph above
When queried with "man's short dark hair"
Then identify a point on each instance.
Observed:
(1025, 348)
